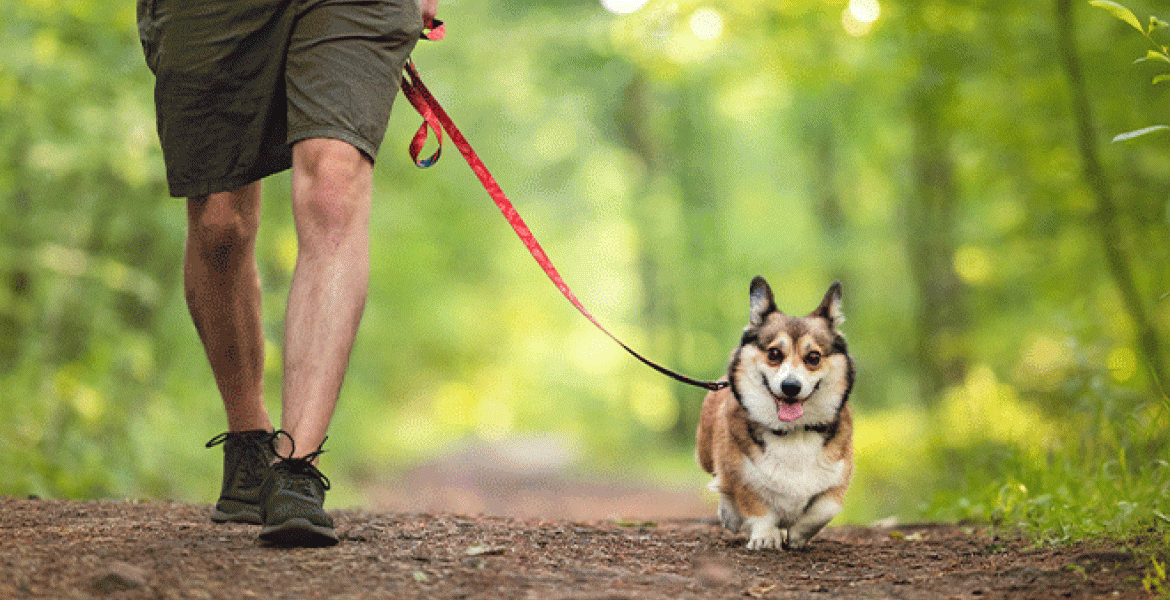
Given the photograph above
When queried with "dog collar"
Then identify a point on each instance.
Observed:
(826, 429)
(817, 428)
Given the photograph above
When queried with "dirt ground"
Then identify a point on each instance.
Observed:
(125, 550)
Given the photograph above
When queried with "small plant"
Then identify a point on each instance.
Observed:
(1079, 570)
(1158, 53)
(1155, 580)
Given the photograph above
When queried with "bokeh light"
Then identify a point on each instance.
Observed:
(706, 24)
(859, 16)
(865, 11)
(622, 7)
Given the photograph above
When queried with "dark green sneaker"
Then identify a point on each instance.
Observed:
(246, 457)
(294, 498)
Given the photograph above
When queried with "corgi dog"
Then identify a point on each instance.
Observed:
(779, 439)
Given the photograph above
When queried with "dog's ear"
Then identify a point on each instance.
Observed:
(762, 302)
(830, 308)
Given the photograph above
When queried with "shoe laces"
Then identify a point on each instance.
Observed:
(301, 466)
(225, 436)
(250, 456)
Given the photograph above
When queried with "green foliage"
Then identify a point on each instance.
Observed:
(1120, 12)
(86, 264)
(984, 455)
(1159, 53)
(1154, 581)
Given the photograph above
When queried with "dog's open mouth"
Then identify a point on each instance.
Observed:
(788, 411)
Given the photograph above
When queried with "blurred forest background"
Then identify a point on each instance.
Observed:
(1004, 264)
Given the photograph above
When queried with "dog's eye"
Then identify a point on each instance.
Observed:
(775, 355)
(813, 358)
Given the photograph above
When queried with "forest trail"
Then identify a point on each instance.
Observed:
(162, 550)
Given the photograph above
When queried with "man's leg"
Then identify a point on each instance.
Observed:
(222, 285)
(331, 185)
(331, 206)
(223, 294)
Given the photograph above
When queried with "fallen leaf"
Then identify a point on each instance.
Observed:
(482, 550)
(760, 590)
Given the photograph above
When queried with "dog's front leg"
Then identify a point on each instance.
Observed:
(728, 514)
(820, 511)
(764, 532)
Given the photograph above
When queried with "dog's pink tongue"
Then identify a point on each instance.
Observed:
(789, 412)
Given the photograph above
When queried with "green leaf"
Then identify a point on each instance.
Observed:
(1156, 23)
(1120, 12)
(1160, 78)
(624, 523)
(1155, 55)
(1139, 132)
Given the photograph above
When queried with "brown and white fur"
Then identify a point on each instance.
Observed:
(779, 439)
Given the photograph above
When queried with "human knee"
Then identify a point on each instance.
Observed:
(222, 224)
(334, 190)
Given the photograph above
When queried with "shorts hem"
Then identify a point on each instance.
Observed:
(336, 133)
(195, 189)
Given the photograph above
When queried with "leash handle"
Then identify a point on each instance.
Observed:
(436, 119)
(433, 30)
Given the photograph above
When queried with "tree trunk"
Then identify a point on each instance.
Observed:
(930, 226)
(1108, 214)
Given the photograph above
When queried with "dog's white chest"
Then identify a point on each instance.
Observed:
(792, 470)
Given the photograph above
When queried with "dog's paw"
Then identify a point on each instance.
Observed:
(795, 543)
(728, 516)
(773, 538)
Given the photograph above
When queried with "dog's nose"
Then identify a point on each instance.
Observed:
(790, 388)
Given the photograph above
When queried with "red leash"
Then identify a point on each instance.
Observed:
(436, 119)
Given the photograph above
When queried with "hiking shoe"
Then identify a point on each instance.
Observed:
(246, 457)
(294, 498)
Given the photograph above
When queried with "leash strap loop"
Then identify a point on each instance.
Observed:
(433, 30)
(436, 119)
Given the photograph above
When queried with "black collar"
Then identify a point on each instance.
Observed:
(826, 429)
(818, 428)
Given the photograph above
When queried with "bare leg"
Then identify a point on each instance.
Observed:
(222, 285)
(331, 184)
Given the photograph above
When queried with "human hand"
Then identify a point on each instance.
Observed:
(429, 9)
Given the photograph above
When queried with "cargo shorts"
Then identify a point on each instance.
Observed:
(238, 82)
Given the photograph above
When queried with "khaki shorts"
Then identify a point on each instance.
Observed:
(238, 82)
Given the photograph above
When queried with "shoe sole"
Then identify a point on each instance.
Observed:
(298, 532)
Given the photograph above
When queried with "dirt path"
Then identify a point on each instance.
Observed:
(57, 549)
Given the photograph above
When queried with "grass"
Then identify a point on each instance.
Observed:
(1090, 488)
(1102, 475)
(1094, 466)
(1076, 498)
